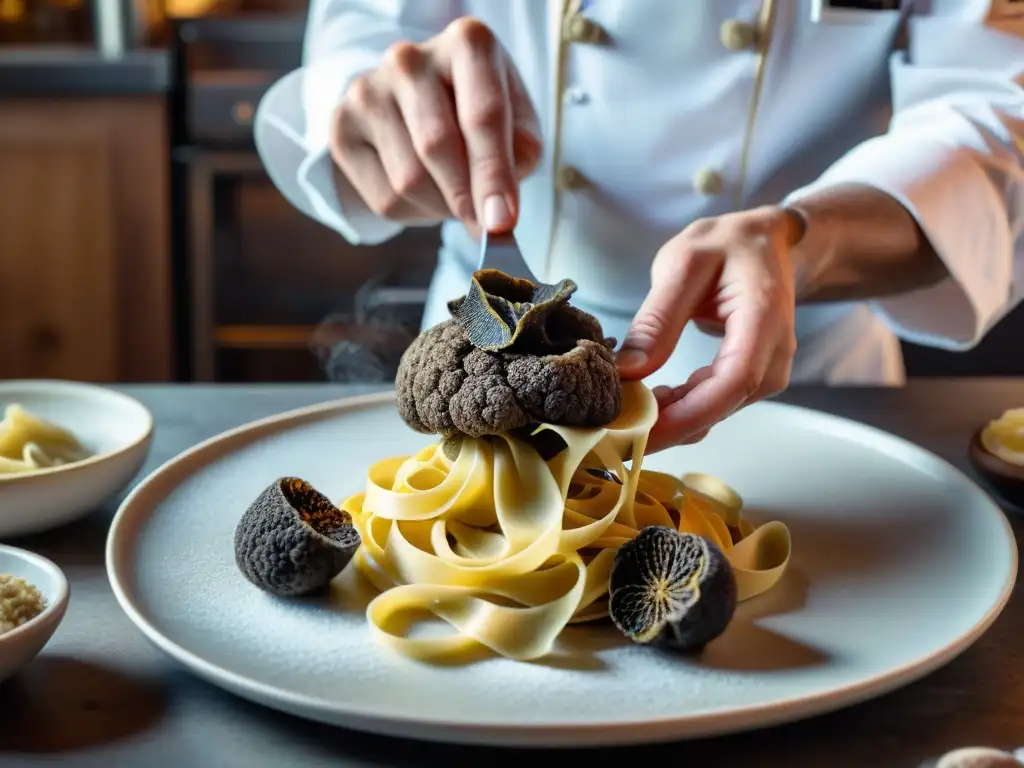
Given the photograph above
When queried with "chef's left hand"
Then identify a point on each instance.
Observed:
(732, 275)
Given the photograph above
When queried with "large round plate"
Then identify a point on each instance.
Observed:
(899, 564)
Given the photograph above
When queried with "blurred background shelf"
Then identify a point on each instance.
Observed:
(141, 239)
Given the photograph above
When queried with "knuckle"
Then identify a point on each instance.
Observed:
(461, 203)
(775, 383)
(486, 113)
(748, 382)
(385, 205)
(432, 139)
(491, 172)
(473, 33)
(404, 57)
(408, 178)
(359, 98)
(700, 227)
(649, 325)
(676, 262)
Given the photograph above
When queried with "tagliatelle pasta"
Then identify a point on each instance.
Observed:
(509, 548)
(28, 443)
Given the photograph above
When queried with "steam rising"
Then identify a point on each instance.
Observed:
(366, 345)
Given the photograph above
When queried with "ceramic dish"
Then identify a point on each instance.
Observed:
(1004, 479)
(117, 429)
(870, 602)
(22, 644)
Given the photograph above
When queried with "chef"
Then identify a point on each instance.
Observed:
(747, 194)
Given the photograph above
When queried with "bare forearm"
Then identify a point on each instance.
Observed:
(857, 243)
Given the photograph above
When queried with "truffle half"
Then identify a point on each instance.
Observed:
(671, 589)
(513, 354)
(292, 540)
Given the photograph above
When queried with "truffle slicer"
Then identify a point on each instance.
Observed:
(500, 250)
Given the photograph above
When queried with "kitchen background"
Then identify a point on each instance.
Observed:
(140, 239)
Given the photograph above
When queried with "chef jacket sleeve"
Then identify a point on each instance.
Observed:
(344, 38)
(953, 155)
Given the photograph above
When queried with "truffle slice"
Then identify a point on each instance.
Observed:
(502, 312)
(292, 540)
(671, 589)
(604, 474)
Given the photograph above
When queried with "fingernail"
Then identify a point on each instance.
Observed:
(497, 214)
(632, 358)
(660, 392)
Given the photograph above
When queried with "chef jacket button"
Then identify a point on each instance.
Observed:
(708, 181)
(576, 95)
(571, 178)
(737, 35)
(579, 29)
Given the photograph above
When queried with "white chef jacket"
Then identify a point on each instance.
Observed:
(655, 113)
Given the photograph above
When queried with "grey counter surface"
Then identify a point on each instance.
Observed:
(59, 71)
(100, 695)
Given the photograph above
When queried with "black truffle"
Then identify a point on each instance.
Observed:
(292, 540)
(670, 589)
(503, 312)
(604, 474)
(512, 355)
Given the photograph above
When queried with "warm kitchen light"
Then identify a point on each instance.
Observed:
(12, 10)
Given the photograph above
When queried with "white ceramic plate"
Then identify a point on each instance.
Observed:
(22, 644)
(116, 428)
(899, 564)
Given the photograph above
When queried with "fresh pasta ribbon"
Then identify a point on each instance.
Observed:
(28, 443)
(508, 548)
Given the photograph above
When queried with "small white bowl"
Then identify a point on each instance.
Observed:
(117, 429)
(22, 644)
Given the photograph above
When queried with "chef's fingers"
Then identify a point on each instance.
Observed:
(361, 169)
(776, 377)
(405, 171)
(737, 372)
(681, 280)
(665, 433)
(357, 159)
(484, 113)
(527, 145)
(428, 113)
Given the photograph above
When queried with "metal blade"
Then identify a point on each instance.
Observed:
(501, 251)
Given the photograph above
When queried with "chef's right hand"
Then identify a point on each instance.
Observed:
(439, 130)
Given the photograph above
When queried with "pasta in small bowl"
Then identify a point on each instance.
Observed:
(65, 448)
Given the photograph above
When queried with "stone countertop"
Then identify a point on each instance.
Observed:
(59, 71)
(100, 695)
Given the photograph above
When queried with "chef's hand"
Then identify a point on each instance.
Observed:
(732, 275)
(443, 129)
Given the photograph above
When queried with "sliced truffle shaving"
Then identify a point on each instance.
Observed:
(499, 310)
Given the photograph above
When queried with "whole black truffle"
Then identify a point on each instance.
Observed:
(292, 540)
(671, 589)
(512, 355)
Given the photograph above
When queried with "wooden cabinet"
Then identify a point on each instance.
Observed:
(85, 256)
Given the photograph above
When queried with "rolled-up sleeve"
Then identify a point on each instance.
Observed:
(344, 38)
(953, 155)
